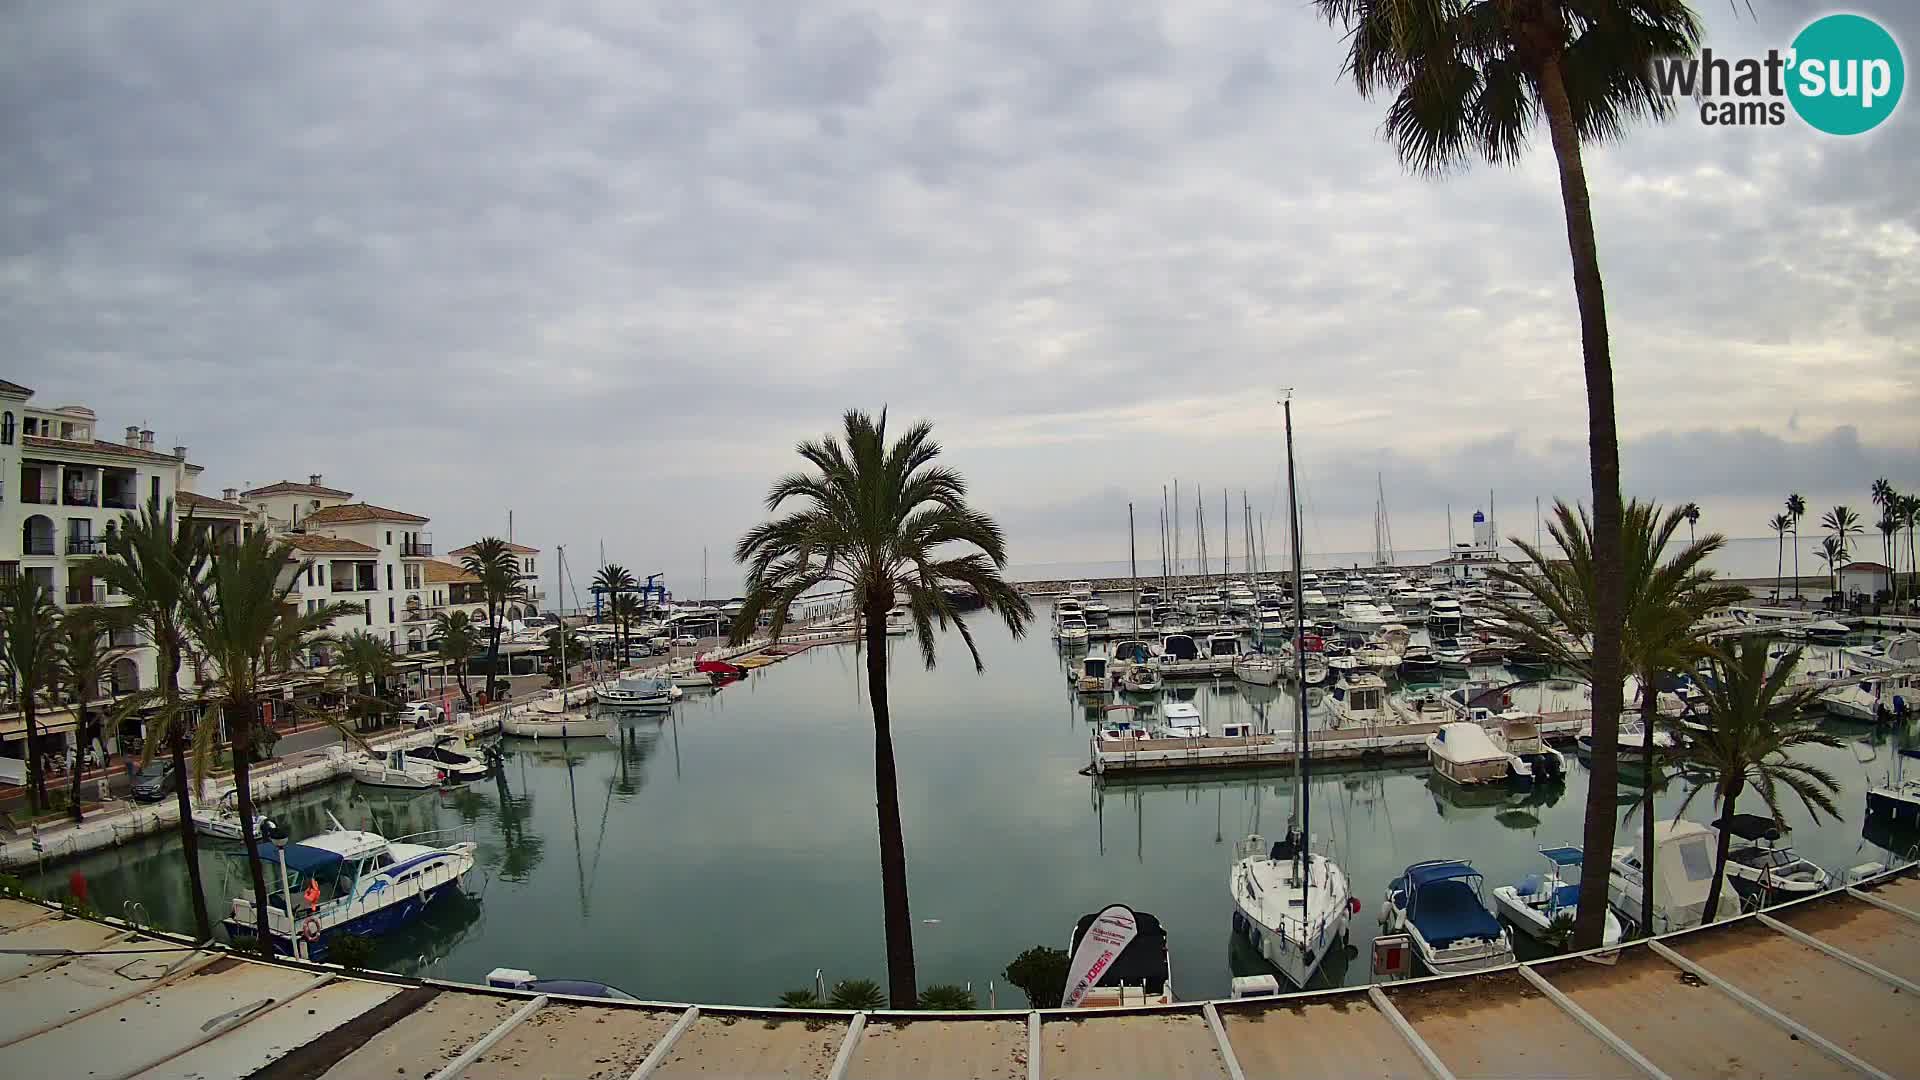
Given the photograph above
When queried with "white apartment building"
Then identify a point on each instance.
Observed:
(357, 553)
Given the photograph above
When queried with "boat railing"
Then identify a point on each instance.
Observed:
(458, 834)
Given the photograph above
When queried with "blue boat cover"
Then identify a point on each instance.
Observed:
(1562, 856)
(309, 860)
(1422, 873)
(1566, 896)
(1449, 910)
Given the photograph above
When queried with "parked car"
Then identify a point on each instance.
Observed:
(686, 641)
(155, 782)
(422, 713)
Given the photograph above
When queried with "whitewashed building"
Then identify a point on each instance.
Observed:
(371, 557)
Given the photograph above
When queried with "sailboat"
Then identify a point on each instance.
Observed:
(1292, 903)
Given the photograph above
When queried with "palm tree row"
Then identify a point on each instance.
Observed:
(1898, 513)
(617, 584)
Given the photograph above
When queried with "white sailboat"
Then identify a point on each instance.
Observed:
(1292, 903)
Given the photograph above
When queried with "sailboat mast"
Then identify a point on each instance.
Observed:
(1301, 804)
(562, 548)
(1133, 562)
(1226, 539)
(1174, 516)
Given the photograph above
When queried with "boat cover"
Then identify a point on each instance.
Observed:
(1144, 960)
(314, 861)
(1446, 907)
(1563, 856)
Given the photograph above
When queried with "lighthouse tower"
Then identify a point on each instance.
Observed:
(1483, 532)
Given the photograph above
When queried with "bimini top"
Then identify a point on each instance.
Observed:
(1563, 856)
(1427, 873)
(310, 860)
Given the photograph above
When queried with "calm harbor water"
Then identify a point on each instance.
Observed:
(724, 853)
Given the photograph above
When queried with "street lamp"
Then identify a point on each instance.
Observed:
(272, 830)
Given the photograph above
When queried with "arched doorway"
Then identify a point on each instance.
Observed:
(36, 535)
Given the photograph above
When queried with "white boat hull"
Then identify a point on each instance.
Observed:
(573, 726)
(1533, 922)
(1298, 948)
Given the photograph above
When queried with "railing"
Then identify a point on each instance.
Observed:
(85, 545)
(416, 548)
(352, 587)
(39, 498)
(128, 501)
(82, 497)
(95, 593)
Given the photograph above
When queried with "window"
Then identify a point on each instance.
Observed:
(323, 573)
(155, 487)
(389, 567)
(389, 609)
(389, 537)
(1695, 859)
(529, 566)
(33, 426)
(309, 579)
(6, 429)
(366, 609)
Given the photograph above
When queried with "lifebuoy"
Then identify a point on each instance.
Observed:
(310, 931)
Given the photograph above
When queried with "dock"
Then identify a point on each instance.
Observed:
(1824, 986)
(1115, 757)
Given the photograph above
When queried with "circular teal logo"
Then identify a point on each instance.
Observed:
(1846, 74)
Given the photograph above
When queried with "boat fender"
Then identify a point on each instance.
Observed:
(1353, 905)
(310, 931)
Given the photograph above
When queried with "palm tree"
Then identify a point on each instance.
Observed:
(1692, 513)
(247, 626)
(371, 664)
(1796, 509)
(1834, 556)
(879, 518)
(1888, 500)
(1910, 517)
(614, 581)
(458, 642)
(1470, 78)
(497, 570)
(1753, 725)
(158, 565)
(29, 657)
(1841, 522)
(1889, 526)
(626, 609)
(1665, 601)
(1779, 523)
(85, 658)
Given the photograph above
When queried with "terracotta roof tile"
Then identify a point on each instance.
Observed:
(439, 573)
(519, 549)
(288, 487)
(15, 388)
(348, 513)
(197, 502)
(328, 545)
(97, 447)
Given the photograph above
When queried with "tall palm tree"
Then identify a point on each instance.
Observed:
(1470, 78)
(497, 570)
(85, 658)
(614, 581)
(1910, 517)
(1889, 526)
(1834, 556)
(1753, 726)
(158, 565)
(886, 522)
(368, 660)
(1779, 523)
(1841, 522)
(1796, 509)
(29, 656)
(625, 608)
(247, 625)
(1692, 513)
(459, 640)
(1665, 601)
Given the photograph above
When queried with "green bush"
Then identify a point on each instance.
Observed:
(1041, 974)
(799, 999)
(857, 994)
(947, 997)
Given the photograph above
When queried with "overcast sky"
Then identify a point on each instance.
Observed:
(605, 262)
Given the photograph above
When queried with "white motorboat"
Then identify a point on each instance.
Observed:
(636, 692)
(1464, 753)
(1544, 906)
(346, 882)
(1090, 675)
(1096, 610)
(1683, 873)
(1241, 599)
(1438, 904)
(1360, 616)
(1271, 626)
(394, 769)
(1359, 699)
(1178, 647)
(1071, 630)
(1133, 668)
(1223, 646)
(1764, 869)
(576, 725)
(1118, 957)
(1529, 759)
(1896, 802)
(1899, 651)
(1180, 720)
(689, 677)
(1257, 669)
(1080, 590)
(446, 755)
(1824, 631)
(221, 821)
(561, 701)
(899, 624)
(1203, 602)
(1478, 701)
(1068, 605)
(1880, 697)
(1632, 738)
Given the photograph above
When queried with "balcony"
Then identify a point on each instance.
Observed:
(38, 497)
(350, 586)
(421, 548)
(120, 500)
(91, 593)
(82, 497)
(86, 545)
(123, 639)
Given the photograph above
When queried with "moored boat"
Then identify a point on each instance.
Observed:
(1118, 957)
(574, 725)
(1438, 904)
(1544, 905)
(394, 769)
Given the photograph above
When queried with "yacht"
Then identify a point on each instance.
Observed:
(1315, 602)
(1632, 738)
(1361, 616)
(1090, 675)
(1360, 700)
(1271, 626)
(1180, 720)
(1071, 630)
(1419, 663)
(1223, 646)
(1529, 759)
(1683, 872)
(347, 882)
(1869, 700)
(1203, 602)
(637, 692)
(1438, 904)
(222, 820)
(1241, 599)
(899, 622)
(448, 755)
(542, 725)
(1096, 609)
(1257, 669)
(1176, 647)
(1896, 802)
(1068, 605)
(1762, 868)
(1464, 753)
(1545, 905)
(1444, 616)
(1119, 957)
(1293, 905)
(395, 769)
(1080, 590)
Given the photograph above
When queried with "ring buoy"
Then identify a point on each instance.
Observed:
(310, 931)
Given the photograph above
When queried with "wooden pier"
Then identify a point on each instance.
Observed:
(1115, 757)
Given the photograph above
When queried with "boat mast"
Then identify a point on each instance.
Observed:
(1300, 803)
(1200, 522)
(1133, 564)
(1226, 539)
(1174, 517)
(562, 548)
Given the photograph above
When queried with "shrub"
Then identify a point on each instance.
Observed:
(947, 997)
(857, 994)
(1041, 974)
(799, 999)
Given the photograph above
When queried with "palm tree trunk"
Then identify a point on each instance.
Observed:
(79, 751)
(1649, 703)
(1603, 450)
(1719, 855)
(902, 989)
(1796, 560)
(240, 720)
(36, 776)
(177, 749)
(1779, 563)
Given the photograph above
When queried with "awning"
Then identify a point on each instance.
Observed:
(1428, 873)
(1563, 856)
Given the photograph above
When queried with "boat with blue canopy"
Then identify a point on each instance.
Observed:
(1438, 904)
(1538, 901)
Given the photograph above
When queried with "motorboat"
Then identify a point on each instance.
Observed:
(1080, 590)
(1682, 874)
(636, 692)
(1180, 720)
(1896, 803)
(1132, 667)
(1822, 632)
(1068, 605)
(562, 701)
(1223, 646)
(1901, 650)
(1878, 698)
(899, 622)
(221, 820)
(1090, 675)
(1118, 957)
(1361, 616)
(1764, 869)
(1292, 905)
(1633, 741)
(1140, 678)
(347, 882)
(1257, 669)
(445, 755)
(1271, 626)
(1464, 753)
(1203, 601)
(1529, 662)
(1544, 905)
(1418, 663)
(1177, 647)
(1242, 599)
(1360, 700)
(574, 725)
(1445, 618)
(395, 769)
(1440, 906)
(1071, 630)
(1096, 610)
(1529, 759)
(527, 981)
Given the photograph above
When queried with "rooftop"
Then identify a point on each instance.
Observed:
(14, 388)
(327, 545)
(349, 513)
(1865, 568)
(200, 504)
(1824, 986)
(289, 487)
(443, 573)
(110, 449)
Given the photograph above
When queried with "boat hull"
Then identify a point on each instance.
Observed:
(575, 727)
(376, 923)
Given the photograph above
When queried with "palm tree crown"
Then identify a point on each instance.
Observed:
(497, 570)
(459, 640)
